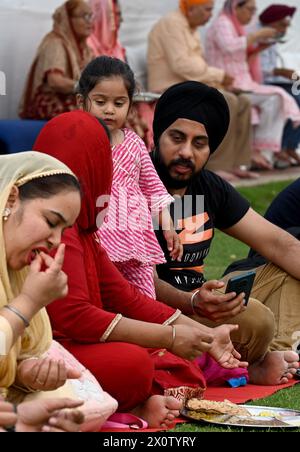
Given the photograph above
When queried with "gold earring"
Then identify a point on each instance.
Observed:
(6, 213)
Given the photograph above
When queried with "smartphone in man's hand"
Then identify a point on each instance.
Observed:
(241, 283)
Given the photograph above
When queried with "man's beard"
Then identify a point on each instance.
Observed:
(164, 171)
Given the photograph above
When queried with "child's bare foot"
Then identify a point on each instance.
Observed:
(276, 368)
(159, 411)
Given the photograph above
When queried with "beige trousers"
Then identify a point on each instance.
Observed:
(235, 149)
(279, 292)
(255, 333)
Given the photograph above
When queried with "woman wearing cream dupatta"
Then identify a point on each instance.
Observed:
(16, 306)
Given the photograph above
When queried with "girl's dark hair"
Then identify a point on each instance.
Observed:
(105, 67)
(48, 186)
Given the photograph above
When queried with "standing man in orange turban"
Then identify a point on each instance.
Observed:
(175, 54)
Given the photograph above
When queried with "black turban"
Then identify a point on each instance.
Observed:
(197, 102)
(276, 12)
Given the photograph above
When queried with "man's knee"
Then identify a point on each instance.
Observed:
(260, 320)
(232, 101)
(256, 331)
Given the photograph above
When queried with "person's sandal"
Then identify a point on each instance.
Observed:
(281, 164)
(260, 163)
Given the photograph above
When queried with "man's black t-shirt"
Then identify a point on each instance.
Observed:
(209, 203)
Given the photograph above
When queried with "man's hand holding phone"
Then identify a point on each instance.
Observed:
(212, 303)
(241, 285)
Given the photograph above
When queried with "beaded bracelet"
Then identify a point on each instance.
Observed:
(18, 313)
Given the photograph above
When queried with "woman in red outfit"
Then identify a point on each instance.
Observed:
(60, 58)
(119, 334)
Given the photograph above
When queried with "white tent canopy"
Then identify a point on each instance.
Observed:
(23, 23)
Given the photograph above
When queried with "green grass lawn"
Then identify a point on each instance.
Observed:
(224, 251)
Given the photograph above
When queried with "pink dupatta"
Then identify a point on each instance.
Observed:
(290, 109)
(254, 60)
(104, 38)
(104, 41)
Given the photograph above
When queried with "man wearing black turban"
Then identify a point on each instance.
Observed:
(190, 121)
(195, 101)
(279, 17)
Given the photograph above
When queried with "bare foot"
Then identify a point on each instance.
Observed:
(282, 160)
(275, 369)
(226, 175)
(243, 173)
(159, 411)
(294, 156)
(259, 162)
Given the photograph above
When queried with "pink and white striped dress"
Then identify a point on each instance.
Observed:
(137, 194)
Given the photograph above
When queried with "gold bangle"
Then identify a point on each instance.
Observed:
(110, 328)
(173, 337)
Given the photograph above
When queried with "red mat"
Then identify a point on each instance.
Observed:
(236, 395)
(244, 393)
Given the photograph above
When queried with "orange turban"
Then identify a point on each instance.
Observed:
(185, 4)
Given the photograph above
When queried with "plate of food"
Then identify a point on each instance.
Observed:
(227, 413)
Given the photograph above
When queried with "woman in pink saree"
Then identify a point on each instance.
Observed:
(104, 40)
(228, 47)
(107, 20)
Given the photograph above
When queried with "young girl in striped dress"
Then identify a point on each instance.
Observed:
(106, 89)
